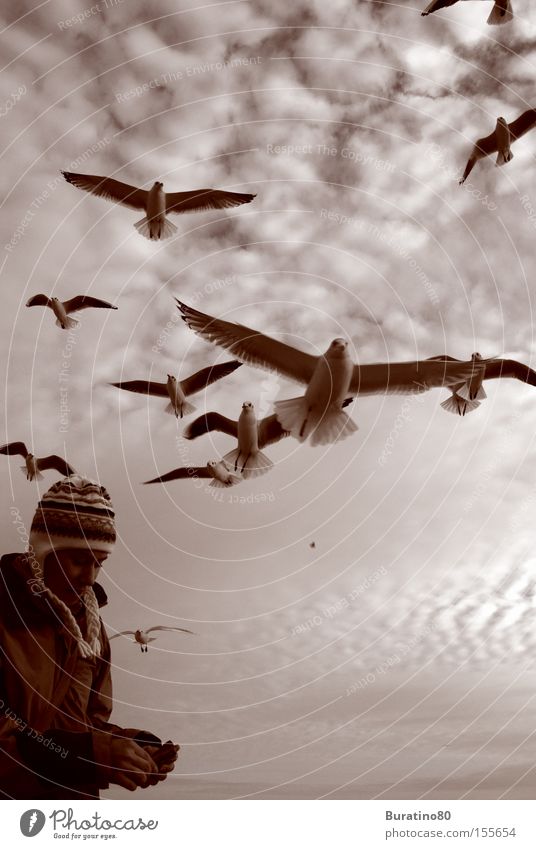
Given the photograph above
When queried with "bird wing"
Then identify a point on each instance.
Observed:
(14, 448)
(206, 376)
(435, 5)
(270, 431)
(82, 302)
(38, 301)
(445, 358)
(201, 199)
(182, 474)
(55, 462)
(145, 387)
(250, 346)
(168, 628)
(523, 124)
(208, 422)
(410, 377)
(122, 634)
(105, 187)
(510, 368)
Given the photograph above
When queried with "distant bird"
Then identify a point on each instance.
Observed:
(156, 203)
(219, 470)
(499, 141)
(35, 465)
(252, 435)
(467, 394)
(143, 638)
(330, 378)
(312, 545)
(62, 308)
(502, 12)
(177, 390)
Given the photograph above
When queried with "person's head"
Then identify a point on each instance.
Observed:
(68, 572)
(72, 534)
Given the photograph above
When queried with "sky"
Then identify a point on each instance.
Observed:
(352, 123)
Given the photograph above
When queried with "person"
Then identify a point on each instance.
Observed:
(56, 741)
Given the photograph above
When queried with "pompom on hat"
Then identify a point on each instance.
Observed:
(74, 513)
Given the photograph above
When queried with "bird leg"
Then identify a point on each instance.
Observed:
(245, 463)
(302, 429)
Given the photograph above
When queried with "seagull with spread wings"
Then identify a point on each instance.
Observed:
(156, 203)
(252, 436)
(330, 378)
(502, 12)
(35, 465)
(217, 470)
(466, 395)
(499, 141)
(61, 309)
(178, 390)
(143, 638)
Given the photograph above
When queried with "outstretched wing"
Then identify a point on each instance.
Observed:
(198, 381)
(122, 634)
(250, 346)
(14, 448)
(410, 377)
(201, 199)
(144, 387)
(270, 431)
(55, 462)
(510, 368)
(182, 474)
(435, 5)
(82, 302)
(523, 124)
(106, 187)
(168, 628)
(38, 301)
(209, 422)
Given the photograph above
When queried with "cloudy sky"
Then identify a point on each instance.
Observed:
(348, 668)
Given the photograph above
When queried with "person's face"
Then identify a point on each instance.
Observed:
(69, 571)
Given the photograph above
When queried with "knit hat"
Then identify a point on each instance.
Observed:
(75, 513)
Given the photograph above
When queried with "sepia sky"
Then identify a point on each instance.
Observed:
(352, 121)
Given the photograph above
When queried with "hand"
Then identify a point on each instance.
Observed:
(165, 757)
(130, 764)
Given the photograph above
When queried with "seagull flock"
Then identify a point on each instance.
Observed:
(328, 383)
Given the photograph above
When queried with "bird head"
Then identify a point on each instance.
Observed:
(247, 405)
(338, 348)
(158, 185)
(476, 356)
(212, 464)
(171, 378)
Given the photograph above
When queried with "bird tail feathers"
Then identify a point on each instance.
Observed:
(459, 406)
(332, 426)
(233, 480)
(254, 465)
(503, 157)
(153, 229)
(184, 409)
(38, 476)
(468, 395)
(500, 15)
(69, 323)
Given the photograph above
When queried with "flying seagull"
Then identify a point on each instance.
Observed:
(502, 12)
(330, 378)
(218, 470)
(143, 638)
(252, 436)
(466, 395)
(499, 141)
(177, 390)
(62, 308)
(35, 465)
(156, 203)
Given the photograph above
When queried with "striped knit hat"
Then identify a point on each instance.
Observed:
(75, 513)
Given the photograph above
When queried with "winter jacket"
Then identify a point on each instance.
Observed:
(54, 704)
